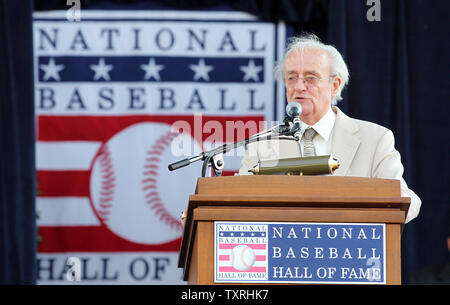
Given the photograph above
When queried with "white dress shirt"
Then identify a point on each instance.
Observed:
(324, 129)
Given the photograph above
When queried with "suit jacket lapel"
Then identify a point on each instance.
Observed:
(345, 141)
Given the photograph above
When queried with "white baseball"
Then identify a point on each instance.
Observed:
(242, 257)
(132, 191)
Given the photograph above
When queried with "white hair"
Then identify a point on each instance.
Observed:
(338, 66)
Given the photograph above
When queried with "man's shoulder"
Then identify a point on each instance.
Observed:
(371, 126)
(365, 127)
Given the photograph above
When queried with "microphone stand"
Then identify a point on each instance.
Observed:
(209, 158)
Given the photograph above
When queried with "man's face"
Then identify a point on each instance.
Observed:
(316, 92)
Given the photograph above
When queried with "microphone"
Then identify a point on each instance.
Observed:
(316, 165)
(293, 110)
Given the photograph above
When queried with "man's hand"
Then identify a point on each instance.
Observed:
(183, 217)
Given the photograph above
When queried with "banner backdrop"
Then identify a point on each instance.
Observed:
(108, 91)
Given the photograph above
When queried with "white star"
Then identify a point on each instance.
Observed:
(51, 70)
(251, 71)
(201, 70)
(101, 70)
(152, 69)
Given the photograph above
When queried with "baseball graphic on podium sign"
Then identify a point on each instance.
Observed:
(242, 257)
(128, 183)
(240, 252)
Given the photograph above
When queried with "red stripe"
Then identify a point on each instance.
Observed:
(227, 172)
(253, 269)
(101, 128)
(93, 239)
(253, 246)
(63, 183)
(258, 258)
(224, 258)
(71, 182)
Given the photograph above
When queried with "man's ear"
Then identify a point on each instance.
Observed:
(337, 81)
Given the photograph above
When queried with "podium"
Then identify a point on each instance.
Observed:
(290, 199)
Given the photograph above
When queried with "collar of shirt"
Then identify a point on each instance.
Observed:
(324, 126)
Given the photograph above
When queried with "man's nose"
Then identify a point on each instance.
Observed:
(300, 85)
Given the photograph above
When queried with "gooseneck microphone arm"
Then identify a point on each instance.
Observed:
(289, 130)
(282, 131)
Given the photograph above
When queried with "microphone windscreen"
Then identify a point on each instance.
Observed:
(293, 109)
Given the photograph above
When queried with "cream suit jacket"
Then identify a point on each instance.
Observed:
(364, 149)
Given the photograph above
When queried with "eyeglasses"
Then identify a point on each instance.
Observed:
(309, 80)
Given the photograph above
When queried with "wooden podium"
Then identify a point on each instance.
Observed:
(317, 199)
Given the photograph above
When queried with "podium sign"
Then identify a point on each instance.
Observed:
(299, 252)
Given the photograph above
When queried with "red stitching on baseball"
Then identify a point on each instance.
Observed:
(103, 214)
(107, 167)
(106, 199)
(149, 180)
(106, 195)
(107, 172)
(159, 147)
(151, 194)
(107, 175)
(151, 166)
(151, 201)
(107, 183)
(150, 183)
(165, 141)
(150, 173)
(147, 187)
(153, 159)
(159, 207)
(156, 152)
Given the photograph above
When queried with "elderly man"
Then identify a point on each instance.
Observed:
(314, 75)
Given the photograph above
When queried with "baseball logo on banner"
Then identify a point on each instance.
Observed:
(119, 96)
(120, 177)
